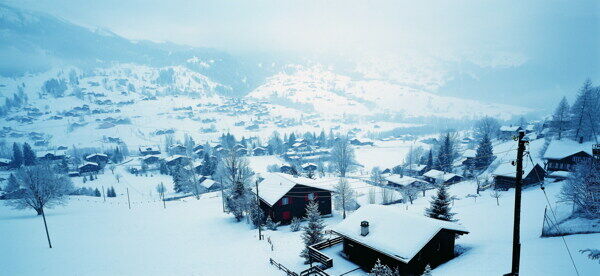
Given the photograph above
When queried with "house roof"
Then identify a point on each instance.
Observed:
(306, 165)
(439, 175)
(174, 157)
(403, 180)
(276, 185)
(96, 154)
(507, 169)
(416, 167)
(88, 164)
(559, 149)
(510, 128)
(207, 183)
(388, 231)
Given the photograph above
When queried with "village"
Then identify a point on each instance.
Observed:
(360, 210)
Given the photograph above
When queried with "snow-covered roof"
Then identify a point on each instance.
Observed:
(403, 180)
(174, 157)
(88, 164)
(207, 183)
(4, 160)
(436, 174)
(510, 128)
(416, 167)
(469, 153)
(96, 154)
(148, 148)
(276, 185)
(559, 149)
(392, 231)
(306, 165)
(507, 169)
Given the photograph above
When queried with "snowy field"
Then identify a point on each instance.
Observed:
(194, 237)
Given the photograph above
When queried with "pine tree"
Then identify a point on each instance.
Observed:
(585, 112)
(560, 118)
(313, 231)
(380, 269)
(446, 154)
(17, 158)
(271, 225)
(485, 153)
(440, 205)
(182, 180)
(97, 193)
(13, 184)
(28, 155)
(430, 160)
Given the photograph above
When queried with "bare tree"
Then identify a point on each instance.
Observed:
(410, 193)
(236, 175)
(486, 126)
(497, 195)
(118, 177)
(342, 156)
(377, 176)
(579, 189)
(112, 168)
(561, 117)
(43, 188)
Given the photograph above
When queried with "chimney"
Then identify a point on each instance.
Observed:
(364, 228)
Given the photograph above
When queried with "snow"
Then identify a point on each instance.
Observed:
(409, 233)
(559, 149)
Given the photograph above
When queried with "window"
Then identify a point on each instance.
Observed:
(311, 196)
(285, 201)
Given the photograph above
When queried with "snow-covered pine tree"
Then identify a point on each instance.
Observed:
(427, 271)
(97, 193)
(182, 180)
(295, 225)
(271, 225)
(440, 205)
(446, 153)
(430, 160)
(345, 198)
(17, 158)
(380, 269)
(256, 214)
(313, 231)
(561, 117)
(13, 184)
(28, 155)
(485, 153)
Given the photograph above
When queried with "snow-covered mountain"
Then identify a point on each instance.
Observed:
(325, 91)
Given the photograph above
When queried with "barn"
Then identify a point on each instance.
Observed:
(399, 240)
(283, 196)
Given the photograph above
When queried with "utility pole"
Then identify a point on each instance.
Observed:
(516, 250)
(103, 193)
(222, 193)
(258, 204)
(128, 202)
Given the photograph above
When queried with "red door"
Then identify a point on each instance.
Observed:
(286, 215)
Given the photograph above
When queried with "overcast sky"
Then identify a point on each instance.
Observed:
(560, 37)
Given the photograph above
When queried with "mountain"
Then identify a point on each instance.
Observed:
(322, 90)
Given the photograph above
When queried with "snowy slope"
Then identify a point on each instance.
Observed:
(333, 93)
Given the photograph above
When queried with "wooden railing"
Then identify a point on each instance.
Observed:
(314, 270)
(317, 256)
(283, 268)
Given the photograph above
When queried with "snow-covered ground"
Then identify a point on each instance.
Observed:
(194, 237)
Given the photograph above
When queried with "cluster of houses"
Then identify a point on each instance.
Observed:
(367, 235)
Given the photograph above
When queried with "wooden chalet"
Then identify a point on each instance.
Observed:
(259, 151)
(399, 240)
(177, 160)
(440, 177)
(507, 132)
(563, 155)
(415, 169)
(149, 150)
(283, 196)
(99, 158)
(505, 175)
(402, 181)
(89, 168)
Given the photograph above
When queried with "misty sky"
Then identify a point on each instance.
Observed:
(561, 38)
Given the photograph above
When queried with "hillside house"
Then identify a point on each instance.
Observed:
(283, 196)
(259, 151)
(89, 168)
(371, 234)
(99, 158)
(399, 181)
(361, 142)
(415, 169)
(505, 175)
(177, 160)
(440, 177)
(507, 132)
(563, 155)
(148, 150)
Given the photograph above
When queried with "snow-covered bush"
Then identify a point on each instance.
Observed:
(295, 225)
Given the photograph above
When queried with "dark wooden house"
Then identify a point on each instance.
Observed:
(563, 155)
(89, 168)
(505, 175)
(283, 196)
(441, 177)
(149, 150)
(399, 240)
(99, 158)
